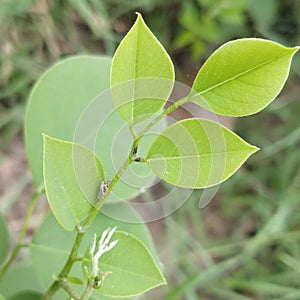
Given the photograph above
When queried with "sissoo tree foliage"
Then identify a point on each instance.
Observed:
(88, 255)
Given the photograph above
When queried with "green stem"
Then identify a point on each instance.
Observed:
(99, 204)
(65, 285)
(88, 291)
(172, 107)
(24, 228)
(131, 129)
(80, 233)
(67, 267)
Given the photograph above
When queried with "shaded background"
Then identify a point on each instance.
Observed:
(246, 243)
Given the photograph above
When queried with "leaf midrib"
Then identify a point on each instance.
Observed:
(135, 69)
(129, 272)
(73, 212)
(238, 75)
(199, 155)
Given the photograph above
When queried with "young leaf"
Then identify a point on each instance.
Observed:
(142, 74)
(130, 266)
(4, 237)
(72, 176)
(196, 153)
(242, 77)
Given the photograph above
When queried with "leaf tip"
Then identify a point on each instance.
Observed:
(295, 49)
(163, 280)
(46, 137)
(254, 149)
(139, 16)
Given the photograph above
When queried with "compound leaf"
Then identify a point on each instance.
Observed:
(242, 77)
(197, 153)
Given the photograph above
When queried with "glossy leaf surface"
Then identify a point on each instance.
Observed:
(72, 101)
(58, 100)
(142, 74)
(197, 153)
(242, 77)
(131, 266)
(52, 243)
(72, 176)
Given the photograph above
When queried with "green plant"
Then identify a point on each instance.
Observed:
(72, 101)
(203, 23)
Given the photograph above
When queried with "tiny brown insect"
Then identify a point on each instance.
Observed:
(103, 188)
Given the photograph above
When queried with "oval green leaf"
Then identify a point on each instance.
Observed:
(75, 105)
(4, 244)
(242, 77)
(57, 101)
(51, 243)
(142, 74)
(132, 269)
(72, 176)
(197, 153)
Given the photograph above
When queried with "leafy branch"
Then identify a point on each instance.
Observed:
(239, 79)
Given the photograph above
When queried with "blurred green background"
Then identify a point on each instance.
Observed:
(246, 243)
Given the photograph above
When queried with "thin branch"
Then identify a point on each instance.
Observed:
(80, 232)
(24, 228)
(65, 285)
(67, 267)
(172, 107)
(88, 291)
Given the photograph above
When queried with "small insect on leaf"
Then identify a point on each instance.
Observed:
(103, 188)
(134, 152)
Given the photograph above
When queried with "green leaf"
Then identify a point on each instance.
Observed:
(242, 77)
(73, 105)
(57, 102)
(52, 243)
(72, 177)
(27, 296)
(4, 244)
(142, 74)
(1, 297)
(196, 153)
(131, 266)
(75, 280)
(18, 279)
